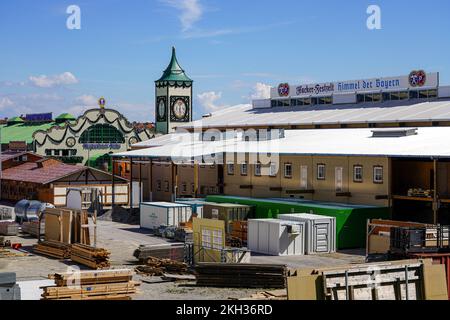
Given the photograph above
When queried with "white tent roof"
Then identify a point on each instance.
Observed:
(428, 142)
(385, 112)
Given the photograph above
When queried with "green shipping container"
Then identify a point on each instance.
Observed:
(351, 220)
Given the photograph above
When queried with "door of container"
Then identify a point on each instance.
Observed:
(321, 233)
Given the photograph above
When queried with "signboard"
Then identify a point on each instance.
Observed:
(18, 146)
(101, 146)
(39, 117)
(415, 80)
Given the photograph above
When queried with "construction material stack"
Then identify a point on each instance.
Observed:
(9, 228)
(53, 249)
(94, 258)
(92, 285)
(160, 251)
(229, 275)
(159, 267)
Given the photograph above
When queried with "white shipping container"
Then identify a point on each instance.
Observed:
(320, 232)
(155, 214)
(276, 237)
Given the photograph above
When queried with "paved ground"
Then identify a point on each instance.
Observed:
(122, 240)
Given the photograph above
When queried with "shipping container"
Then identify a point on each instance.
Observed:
(276, 237)
(320, 235)
(196, 205)
(227, 212)
(351, 220)
(155, 214)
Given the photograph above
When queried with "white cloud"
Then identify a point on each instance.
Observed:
(5, 102)
(83, 103)
(44, 81)
(208, 100)
(87, 100)
(261, 91)
(191, 11)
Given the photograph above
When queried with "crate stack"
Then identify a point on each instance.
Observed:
(94, 258)
(90, 285)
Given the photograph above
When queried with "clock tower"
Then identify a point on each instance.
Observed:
(173, 97)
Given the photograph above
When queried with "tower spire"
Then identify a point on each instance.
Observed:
(174, 72)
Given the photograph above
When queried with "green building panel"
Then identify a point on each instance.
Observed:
(351, 220)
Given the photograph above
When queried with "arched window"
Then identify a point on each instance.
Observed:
(102, 133)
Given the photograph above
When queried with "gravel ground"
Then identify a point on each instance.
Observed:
(123, 239)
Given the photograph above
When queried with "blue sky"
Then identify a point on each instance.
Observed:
(232, 49)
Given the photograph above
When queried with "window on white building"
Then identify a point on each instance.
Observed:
(244, 169)
(358, 174)
(158, 185)
(288, 170)
(321, 172)
(378, 174)
(230, 169)
(258, 169)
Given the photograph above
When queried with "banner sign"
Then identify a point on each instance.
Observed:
(415, 80)
(101, 146)
(39, 117)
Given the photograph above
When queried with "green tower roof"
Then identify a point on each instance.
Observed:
(174, 72)
(65, 117)
(15, 120)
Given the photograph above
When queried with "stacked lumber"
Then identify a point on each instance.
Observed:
(53, 249)
(88, 285)
(5, 253)
(229, 275)
(165, 251)
(95, 258)
(159, 267)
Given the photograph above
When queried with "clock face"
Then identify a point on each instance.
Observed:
(70, 142)
(180, 109)
(133, 140)
(162, 109)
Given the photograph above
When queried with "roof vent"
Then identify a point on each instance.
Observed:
(394, 132)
